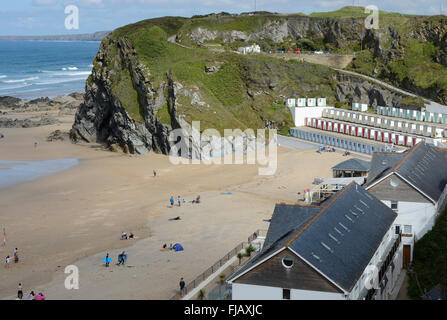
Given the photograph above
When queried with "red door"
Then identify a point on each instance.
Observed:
(407, 255)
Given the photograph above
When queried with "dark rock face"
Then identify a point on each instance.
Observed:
(102, 117)
(353, 89)
(9, 102)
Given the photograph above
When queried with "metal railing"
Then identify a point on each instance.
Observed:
(208, 272)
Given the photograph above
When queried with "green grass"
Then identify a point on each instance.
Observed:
(124, 91)
(354, 12)
(430, 259)
(163, 115)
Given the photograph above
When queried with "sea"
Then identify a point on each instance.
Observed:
(34, 69)
(13, 172)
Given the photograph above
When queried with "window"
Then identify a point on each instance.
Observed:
(287, 262)
(407, 229)
(286, 294)
(397, 229)
(394, 206)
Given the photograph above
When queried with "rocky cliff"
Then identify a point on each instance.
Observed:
(157, 75)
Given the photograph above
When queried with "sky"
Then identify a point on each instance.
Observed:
(48, 17)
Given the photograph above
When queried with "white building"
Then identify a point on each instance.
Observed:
(249, 49)
(345, 248)
(303, 108)
(413, 184)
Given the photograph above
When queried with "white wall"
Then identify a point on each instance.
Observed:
(314, 295)
(252, 292)
(300, 113)
(421, 216)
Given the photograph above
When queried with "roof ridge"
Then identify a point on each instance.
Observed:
(407, 156)
(324, 208)
(298, 205)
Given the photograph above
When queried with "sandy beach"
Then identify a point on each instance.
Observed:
(77, 216)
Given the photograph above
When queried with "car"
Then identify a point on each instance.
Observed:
(319, 52)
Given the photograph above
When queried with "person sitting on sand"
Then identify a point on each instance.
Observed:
(31, 296)
(40, 296)
(131, 236)
(124, 236)
(164, 247)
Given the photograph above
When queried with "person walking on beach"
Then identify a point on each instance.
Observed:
(172, 201)
(182, 286)
(4, 237)
(121, 257)
(8, 261)
(19, 291)
(16, 255)
(155, 174)
(179, 201)
(107, 259)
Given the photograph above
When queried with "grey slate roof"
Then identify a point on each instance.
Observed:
(353, 164)
(424, 166)
(286, 221)
(382, 163)
(339, 239)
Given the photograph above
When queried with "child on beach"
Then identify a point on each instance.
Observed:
(172, 201)
(8, 261)
(179, 201)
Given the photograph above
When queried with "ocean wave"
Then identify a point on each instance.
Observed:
(59, 81)
(20, 80)
(16, 87)
(70, 74)
(70, 69)
(3, 77)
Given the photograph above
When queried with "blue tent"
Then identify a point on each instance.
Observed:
(177, 247)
